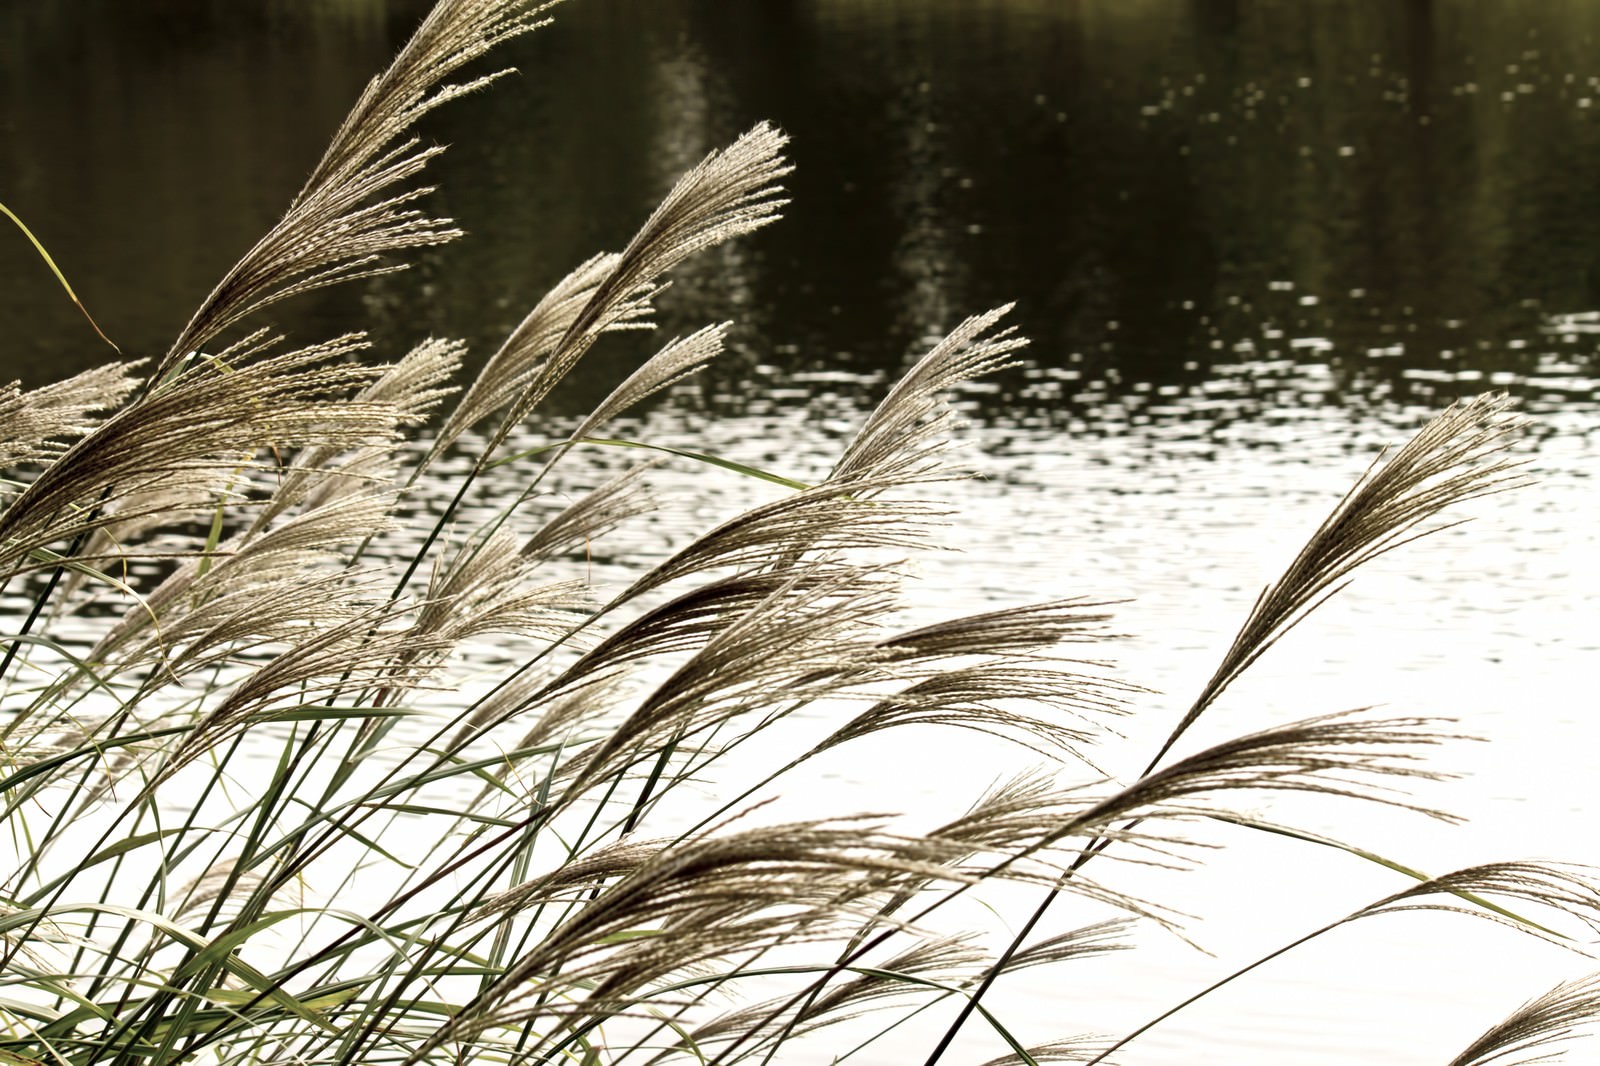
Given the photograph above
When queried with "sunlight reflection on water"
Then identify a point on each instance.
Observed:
(1188, 517)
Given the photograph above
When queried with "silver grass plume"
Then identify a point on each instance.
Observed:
(1553, 1018)
(896, 446)
(1070, 1049)
(799, 644)
(173, 643)
(199, 430)
(823, 593)
(832, 518)
(983, 697)
(676, 360)
(1339, 754)
(158, 522)
(311, 479)
(514, 366)
(274, 583)
(1032, 629)
(728, 194)
(945, 960)
(581, 875)
(489, 588)
(934, 962)
(1568, 890)
(973, 671)
(1571, 890)
(35, 424)
(1016, 814)
(703, 899)
(207, 891)
(323, 473)
(1090, 940)
(688, 621)
(905, 433)
(1457, 456)
(681, 625)
(1015, 829)
(543, 717)
(348, 217)
(592, 516)
(587, 689)
(359, 652)
(1014, 651)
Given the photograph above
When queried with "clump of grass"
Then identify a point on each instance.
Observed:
(253, 819)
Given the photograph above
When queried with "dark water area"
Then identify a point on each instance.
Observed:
(1395, 191)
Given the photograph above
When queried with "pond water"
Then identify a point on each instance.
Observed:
(1251, 240)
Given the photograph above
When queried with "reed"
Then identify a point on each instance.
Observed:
(272, 810)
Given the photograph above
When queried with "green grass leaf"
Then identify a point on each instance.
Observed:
(700, 457)
(62, 278)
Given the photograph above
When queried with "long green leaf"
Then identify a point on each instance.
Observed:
(1390, 864)
(699, 457)
(62, 278)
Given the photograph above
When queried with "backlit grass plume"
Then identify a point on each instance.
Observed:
(1528, 1032)
(294, 769)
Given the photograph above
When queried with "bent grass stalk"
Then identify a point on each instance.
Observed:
(255, 822)
(66, 286)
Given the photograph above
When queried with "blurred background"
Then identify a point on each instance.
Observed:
(1251, 241)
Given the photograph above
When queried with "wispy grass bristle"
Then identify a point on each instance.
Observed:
(35, 425)
(677, 360)
(349, 215)
(903, 437)
(590, 517)
(1527, 1033)
(1458, 456)
(522, 356)
(1072, 1049)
